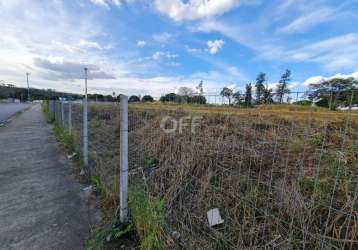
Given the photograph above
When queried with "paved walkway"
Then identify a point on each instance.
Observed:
(41, 205)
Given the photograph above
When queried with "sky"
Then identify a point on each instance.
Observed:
(156, 46)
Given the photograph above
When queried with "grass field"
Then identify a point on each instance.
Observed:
(282, 176)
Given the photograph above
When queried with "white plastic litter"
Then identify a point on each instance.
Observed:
(71, 156)
(87, 191)
(176, 235)
(214, 217)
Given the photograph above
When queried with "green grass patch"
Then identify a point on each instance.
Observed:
(65, 138)
(148, 216)
(103, 235)
(46, 109)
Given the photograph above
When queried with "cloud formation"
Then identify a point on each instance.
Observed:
(163, 38)
(339, 52)
(141, 44)
(158, 55)
(215, 46)
(320, 79)
(179, 10)
(107, 3)
(65, 70)
(308, 20)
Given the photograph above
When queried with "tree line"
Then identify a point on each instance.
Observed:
(263, 94)
(329, 93)
(13, 92)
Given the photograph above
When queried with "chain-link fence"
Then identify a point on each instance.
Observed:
(271, 177)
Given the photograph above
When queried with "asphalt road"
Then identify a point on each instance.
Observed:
(9, 109)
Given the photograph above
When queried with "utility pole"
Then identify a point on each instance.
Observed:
(28, 87)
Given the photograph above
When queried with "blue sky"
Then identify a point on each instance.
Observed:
(156, 46)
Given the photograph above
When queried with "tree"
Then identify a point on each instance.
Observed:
(185, 91)
(147, 98)
(248, 95)
(238, 97)
(198, 99)
(171, 97)
(200, 88)
(334, 92)
(134, 98)
(267, 96)
(260, 87)
(226, 92)
(282, 86)
(108, 98)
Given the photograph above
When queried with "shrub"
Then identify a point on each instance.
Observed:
(147, 98)
(134, 98)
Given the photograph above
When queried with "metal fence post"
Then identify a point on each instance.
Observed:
(70, 117)
(85, 133)
(123, 159)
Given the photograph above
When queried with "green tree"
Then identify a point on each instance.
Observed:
(147, 98)
(282, 86)
(238, 97)
(267, 96)
(226, 92)
(335, 92)
(197, 99)
(171, 97)
(248, 95)
(134, 98)
(260, 87)
(200, 88)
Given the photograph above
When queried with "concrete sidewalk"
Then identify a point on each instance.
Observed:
(41, 205)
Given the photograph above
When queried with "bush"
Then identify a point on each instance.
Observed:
(197, 99)
(303, 103)
(171, 97)
(147, 98)
(134, 98)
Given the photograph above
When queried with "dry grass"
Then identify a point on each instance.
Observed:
(282, 177)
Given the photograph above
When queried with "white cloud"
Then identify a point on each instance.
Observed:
(158, 55)
(163, 38)
(107, 3)
(193, 50)
(308, 20)
(215, 46)
(59, 69)
(179, 10)
(320, 79)
(89, 44)
(51, 55)
(314, 80)
(238, 33)
(340, 52)
(141, 44)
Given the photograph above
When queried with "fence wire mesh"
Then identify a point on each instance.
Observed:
(281, 177)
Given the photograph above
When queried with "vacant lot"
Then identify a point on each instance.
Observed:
(281, 176)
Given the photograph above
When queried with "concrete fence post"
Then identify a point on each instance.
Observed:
(123, 159)
(62, 114)
(56, 111)
(70, 117)
(85, 133)
(50, 106)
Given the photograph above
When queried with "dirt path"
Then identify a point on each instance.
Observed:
(41, 205)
